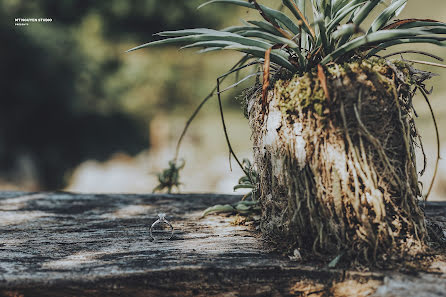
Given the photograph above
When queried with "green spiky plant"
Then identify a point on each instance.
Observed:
(332, 122)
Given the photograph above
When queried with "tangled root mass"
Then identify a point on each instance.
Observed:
(338, 174)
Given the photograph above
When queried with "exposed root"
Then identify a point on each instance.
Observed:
(340, 175)
(438, 142)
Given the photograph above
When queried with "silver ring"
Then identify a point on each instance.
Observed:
(161, 220)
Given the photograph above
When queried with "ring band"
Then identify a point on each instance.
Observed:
(161, 220)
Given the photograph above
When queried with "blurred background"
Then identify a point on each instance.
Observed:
(79, 114)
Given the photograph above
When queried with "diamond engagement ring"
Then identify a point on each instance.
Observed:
(161, 220)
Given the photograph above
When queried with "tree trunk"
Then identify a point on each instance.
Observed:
(337, 167)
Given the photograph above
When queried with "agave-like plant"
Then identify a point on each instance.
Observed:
(299, 46)
(332, 122)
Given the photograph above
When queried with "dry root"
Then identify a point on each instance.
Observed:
(339, 175)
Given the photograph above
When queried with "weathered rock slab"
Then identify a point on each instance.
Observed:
(65, 244)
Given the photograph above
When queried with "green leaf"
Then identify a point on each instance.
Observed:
(215, 36)
(388, 13)
(417, 24)
(346, 29)
(386, 45)
(247, 202)
(325, 9)
(301, 5)
(266, 27)
(299, 15)
(237, 29)
(218, 209)
(304, 38)
(269, 37)
(277, 57)
(175, 40)
(348, 6)
(270, 13)
(251, 46)
(244, 179)
(435, 30)
(213, 44)
(375, 37)
(339, 4)
(209, 49)
(246, 206)
(399, 10)
(242, 207)
(243, 186)
(323, 36)
(339, 17)
(186, 32)
(359, 16)
(335, 261)
(282, 18)
(364, 12)
(236, 2)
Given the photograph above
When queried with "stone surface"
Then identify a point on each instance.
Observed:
(64, 244)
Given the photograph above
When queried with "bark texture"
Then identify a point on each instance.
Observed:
(337, 171)
(66, 244)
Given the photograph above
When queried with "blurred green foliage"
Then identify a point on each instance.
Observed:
(69, 93)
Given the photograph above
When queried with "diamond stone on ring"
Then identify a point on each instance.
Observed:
(161, 220)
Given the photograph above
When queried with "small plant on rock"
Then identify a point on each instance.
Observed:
(332, 122)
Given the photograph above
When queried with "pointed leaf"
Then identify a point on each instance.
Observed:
(218, 209)
(236, 2)
(323, 36)
(420, 24)
(208, 49)
(277, 57)
(400, 23)
(236, 84)
(242, 208)
(249, 203)
(435, 30)
(388, 44)
(186, 32)
(175, 40)
(387, 14)
(365, 11)
(270, 13)
(346, 29)
(339, 4)
(335, 261)
(244, 179)
(215, 36)
(236, 187)
(359, 16)
(399, 10)
(299, 15)
(237, 29)
(304, 38)
(269, 37)
(266, 27)
(339, 17)
(375, 37)
(220, 44)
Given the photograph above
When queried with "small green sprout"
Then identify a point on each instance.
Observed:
(248, 181)
(169, 178)
(245, 208)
